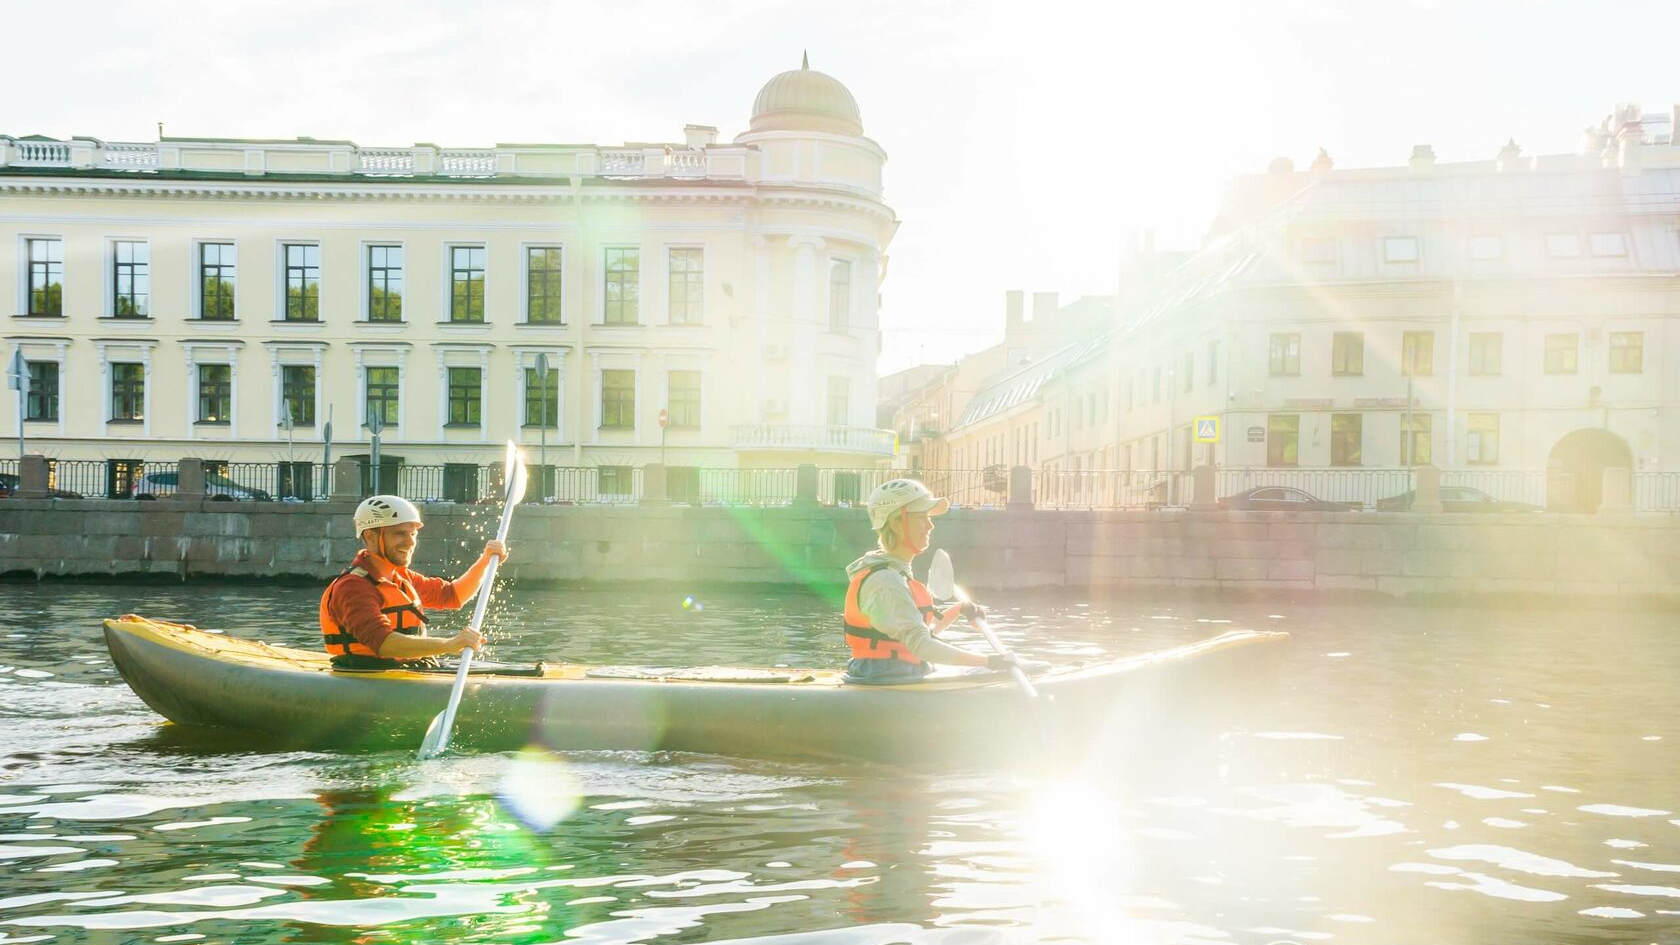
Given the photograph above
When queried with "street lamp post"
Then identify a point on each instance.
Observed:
(291, 453)
(375, 423)
(19, 381)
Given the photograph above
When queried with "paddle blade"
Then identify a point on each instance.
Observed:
(517, 475)
(436, 741)
(941, 577)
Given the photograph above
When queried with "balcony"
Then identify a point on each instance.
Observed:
(816, 438)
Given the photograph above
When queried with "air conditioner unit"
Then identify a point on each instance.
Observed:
(774, 407)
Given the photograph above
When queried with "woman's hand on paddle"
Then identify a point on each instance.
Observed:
(973, 611)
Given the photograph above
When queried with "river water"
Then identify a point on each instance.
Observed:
(1418, 775)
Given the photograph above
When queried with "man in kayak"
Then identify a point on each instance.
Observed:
(373, 615)
(890, 618)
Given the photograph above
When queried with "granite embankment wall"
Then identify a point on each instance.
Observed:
(1612, 558)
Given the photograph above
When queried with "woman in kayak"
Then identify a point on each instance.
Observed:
(890, 619)
(373, 616)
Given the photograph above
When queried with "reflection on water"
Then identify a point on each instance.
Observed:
(1420, 775)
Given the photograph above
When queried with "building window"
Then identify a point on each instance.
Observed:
(687, 285)
(466, 393)
(297, 391)
(128, 391)
(614, 480)
(43, 391)
(1627, 352)
(1189, 371)
(683, 400)
(1487, 349)
(460, 482)
(1347, 439)
(216, 265)
(1318, 251)
(1608, 244)
(1400, 249)
(1415, 439)
(383, 391)
(131, 279)
(1483, 248)
(385, 283)
(1213, 362)
(618, 400)
(46, 277)
(466, 283)
(1285, 357)
(1347, 353)
(1563, 245)
(1283, 439)
(1417, 353)
(839, 402)
(215, 393)
(542, 398)
(542, 285)
(840, 295)
(303, 282)
(1483, 443)
(1562, 353)
(623, 289)
(1155, 399)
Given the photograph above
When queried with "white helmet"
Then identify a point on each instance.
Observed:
(380, 511)
(895, 494)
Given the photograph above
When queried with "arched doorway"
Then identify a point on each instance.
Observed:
(1575, 470)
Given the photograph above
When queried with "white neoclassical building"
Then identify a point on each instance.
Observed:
(1513, 321)
(183, 297)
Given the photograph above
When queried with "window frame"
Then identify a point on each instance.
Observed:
(534, 391)
(1479, 351)
(47, 269)
(1417, 423)
(840, 310)
(139, 274)
(41, 406)
(314, 394)
(1342, 439)
(1637, 350)
(683, 413)
(1554, 354)
(838, 394)
(692, 283)
(308, 304)
(128, 386)
(629, 281)
(1477, 440)
(1392, 243)
(202, 296)
(390, 399)
(1347, 354)
(370, 282)
(559, 285)
(459, 307)
(621, 407)
(468, 397)
(1415, 347)
(207, 397)
(1281, 361)
(1278, 425)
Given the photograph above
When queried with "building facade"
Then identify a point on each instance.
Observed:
(703, 304)
(1518, 317)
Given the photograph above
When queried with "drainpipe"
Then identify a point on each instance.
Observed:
(1452, 376)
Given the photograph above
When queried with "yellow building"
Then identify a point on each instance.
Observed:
(714, 304)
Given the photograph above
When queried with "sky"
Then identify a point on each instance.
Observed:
(1027, 142)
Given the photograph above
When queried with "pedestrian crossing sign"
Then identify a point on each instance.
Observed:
(1207, 429)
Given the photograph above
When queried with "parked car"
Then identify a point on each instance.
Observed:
(1460, 499)
(9, 487)
(216, 486)
(1282, 499)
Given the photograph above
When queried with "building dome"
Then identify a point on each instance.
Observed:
(805, 100)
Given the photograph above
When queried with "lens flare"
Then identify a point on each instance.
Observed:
(538, 789)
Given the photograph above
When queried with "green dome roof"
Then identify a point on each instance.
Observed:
(806, 100)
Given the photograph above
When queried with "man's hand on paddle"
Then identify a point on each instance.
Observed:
(467, 637)
(495, 548)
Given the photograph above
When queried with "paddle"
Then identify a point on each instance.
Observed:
(437, 734)
(942, 583)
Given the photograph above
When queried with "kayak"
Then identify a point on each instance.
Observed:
(295, 697)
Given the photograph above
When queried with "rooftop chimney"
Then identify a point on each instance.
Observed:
(1014, 308)
(1423, 158)
(698, 136)
(1045, 305)
(1508, 155)
(1322, 164)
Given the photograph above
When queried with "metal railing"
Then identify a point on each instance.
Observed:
(1364, 486)
(1508, 485)
(1109, 489)
(1656, 491)
(733, 487)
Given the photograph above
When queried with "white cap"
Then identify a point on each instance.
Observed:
(895, 494)
(381, 511)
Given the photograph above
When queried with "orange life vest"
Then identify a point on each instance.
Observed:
(868, 643)
(397, 599)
